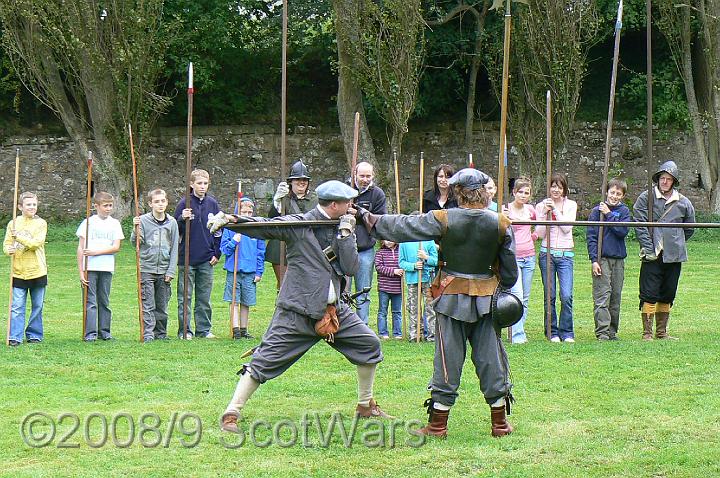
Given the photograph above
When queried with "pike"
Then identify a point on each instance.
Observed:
(356, 140)
(548, 175)
(402, 277)
(12, 229)
(611, 113)
(504, 100)
(420, 249)
(188, 172)
(87, 237)
(137, 234)
(649, 151)
(233, 304)
(283, 116)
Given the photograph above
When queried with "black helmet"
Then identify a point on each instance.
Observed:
(299, 171)
(667, 167)
(506, 310)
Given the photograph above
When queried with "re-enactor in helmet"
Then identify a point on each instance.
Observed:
(479, 253)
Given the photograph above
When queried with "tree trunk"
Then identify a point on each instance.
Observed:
(349, 98)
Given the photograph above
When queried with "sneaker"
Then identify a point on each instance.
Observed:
(109, 338)
(187, 336)
(521, 341)
(14, 343)
(247, 336)
(398, 337)
(148, 339)
(614, 337)
(90, 339)
(210, 336)
(34, 340)
(603, 338)
(384, 337)
(569, 340)
(555, 339)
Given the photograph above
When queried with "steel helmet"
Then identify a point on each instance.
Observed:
(299, 171)
(506, 309)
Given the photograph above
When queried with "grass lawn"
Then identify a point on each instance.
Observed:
(627, 408)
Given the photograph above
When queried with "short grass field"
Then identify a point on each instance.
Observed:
(616, 409)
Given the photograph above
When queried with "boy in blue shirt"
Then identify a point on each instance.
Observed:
(250, 263)
(608, 270)
(419, 264)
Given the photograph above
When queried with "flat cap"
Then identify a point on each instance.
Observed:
(335, 191)
(469, 178)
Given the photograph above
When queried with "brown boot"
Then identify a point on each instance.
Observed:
(647, 320)
(372, 411)
(437, 422)
(661, 330)
(229, 422)
(500, 425)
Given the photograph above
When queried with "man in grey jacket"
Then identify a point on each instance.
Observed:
(662, 254)
(158, 240)
(318, 259)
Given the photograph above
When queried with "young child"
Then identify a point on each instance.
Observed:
(389, 276)
(608, 271)
(103, 242)
(204, 254)
(419, 265)
(158, 233)
(25, 240)
(250, 268)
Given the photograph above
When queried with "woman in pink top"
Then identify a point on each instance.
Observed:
(560, 208)
(520, 210)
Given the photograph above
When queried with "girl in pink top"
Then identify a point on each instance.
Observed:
(520, 210)
(560, 208)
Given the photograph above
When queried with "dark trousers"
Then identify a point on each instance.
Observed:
(98, 315)
(155, 297)
(659, 281)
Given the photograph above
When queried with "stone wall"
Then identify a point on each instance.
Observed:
(51, 166)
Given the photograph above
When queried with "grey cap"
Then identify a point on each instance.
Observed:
(469, 178)
(667, 167)
(335, 191)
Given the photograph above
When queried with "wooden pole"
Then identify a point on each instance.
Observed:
(87, 238)
(12, 229)
(356, 141)
(402, 278)
(649, 140)
(611, 113)
(188, 171)
(548, 173)
(283, 118)
(504, 102)
(137, 236)
(233, 303)
(420, 248)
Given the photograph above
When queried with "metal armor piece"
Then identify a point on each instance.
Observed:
(668, 167)
(506, 308)
(299, 171)
(470, 245)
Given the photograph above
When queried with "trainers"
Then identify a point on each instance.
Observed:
(384, 337)
(398, 337)
(569, 340)
(109, 338)
(14, 343)
(555, 339)
(210, 336)
(34, 340)
(187, 336)
(371, 411)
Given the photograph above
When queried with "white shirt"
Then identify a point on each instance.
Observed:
(103, 233)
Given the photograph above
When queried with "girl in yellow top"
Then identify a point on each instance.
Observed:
(26, 242)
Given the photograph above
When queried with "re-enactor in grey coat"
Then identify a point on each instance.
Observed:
(479, 252)
(663, 254)
(318, 259)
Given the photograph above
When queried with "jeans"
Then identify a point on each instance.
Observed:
(155, 297)
(200, 280)
(521, 289)
(363, 278)
(34, 328)
(563, 268)
(395, 300)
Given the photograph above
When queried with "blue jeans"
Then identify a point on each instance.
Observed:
(363, 278)
(395, 300)
(34, 328)
(563, 268)
(526, 267)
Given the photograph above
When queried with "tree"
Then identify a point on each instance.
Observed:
(550, 43)
(95, 66)
(387, 59)
(479, 13)
(693, 33)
